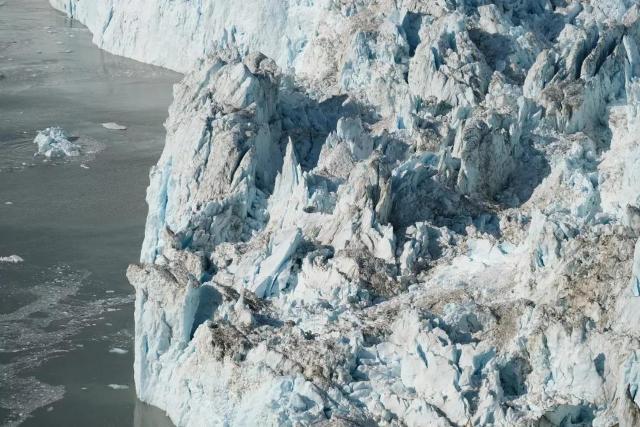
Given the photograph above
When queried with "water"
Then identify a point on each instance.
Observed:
(77, 224)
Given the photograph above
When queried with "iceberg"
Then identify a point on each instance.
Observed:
(11, 259)
(53, 142)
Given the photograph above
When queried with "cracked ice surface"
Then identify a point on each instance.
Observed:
(398, 213)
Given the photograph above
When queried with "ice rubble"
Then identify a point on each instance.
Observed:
(398, 213)
(53, 142)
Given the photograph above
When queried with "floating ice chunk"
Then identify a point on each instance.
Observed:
(53, 142)
(118, 386)
(12, 259)
(117, 350)
(113, 126)
(83, 166)
(8, 203)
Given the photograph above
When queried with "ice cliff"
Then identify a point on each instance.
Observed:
(390, 212)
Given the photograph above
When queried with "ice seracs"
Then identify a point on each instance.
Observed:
(390, 212)
(635, 273)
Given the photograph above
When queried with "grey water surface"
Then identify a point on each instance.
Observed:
(66, 312)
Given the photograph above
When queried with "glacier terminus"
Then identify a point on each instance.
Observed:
(389, 212)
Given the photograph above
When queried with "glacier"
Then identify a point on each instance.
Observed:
(389, 212)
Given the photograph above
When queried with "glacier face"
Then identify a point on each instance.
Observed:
(421, 213)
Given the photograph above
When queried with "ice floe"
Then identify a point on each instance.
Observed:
(113, 126)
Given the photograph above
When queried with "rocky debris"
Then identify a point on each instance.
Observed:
(399, 213)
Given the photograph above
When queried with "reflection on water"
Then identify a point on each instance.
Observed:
(66, 312)
(17, 154)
